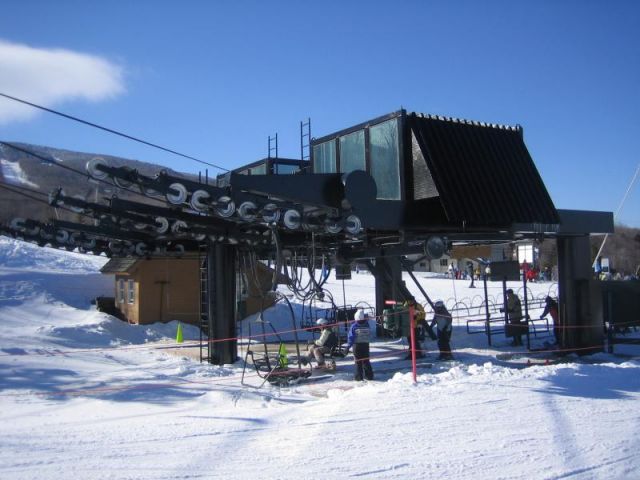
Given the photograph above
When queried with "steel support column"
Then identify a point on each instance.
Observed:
(580, 322)
(221, 274)
(387, 272)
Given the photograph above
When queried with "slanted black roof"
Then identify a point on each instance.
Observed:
(481, 173)
(118, 265)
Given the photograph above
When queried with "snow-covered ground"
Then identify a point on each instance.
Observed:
(85, 396)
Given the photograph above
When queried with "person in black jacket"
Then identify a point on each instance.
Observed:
(443, 322)
(359, 337)
(515, 327)
(471, 272)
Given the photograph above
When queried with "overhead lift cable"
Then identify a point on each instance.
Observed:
(18, 192)
(617, 212)
(110, 130)
(25, 189)
(11, 188)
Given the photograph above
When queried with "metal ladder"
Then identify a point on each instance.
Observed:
(305, 140)
(204, 304)
(273, 146)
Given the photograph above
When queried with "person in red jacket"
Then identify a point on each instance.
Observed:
(551, 308)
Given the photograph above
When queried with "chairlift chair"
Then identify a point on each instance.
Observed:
(269, 365)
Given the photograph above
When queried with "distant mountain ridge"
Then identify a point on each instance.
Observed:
(20, 169)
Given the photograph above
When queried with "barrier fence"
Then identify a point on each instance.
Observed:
(262, 337)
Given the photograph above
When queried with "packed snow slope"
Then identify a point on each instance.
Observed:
(86, 396)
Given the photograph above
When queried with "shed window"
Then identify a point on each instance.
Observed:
(121, 290)
(131, 291)
(352, 152)
(324, 157)
(385, 161)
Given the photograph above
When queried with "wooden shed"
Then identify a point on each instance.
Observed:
(159, 289)
(162, 289)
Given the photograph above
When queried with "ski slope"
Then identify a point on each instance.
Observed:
(83, 395)
(13, 174)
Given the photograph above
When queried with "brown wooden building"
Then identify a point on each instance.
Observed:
(157, 289)
(162, 289)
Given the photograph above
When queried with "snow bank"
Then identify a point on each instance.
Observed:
(28, 272)
(15, 254)
(77, 290)
(107, 331)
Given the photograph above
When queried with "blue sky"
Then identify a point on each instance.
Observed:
(213, 79)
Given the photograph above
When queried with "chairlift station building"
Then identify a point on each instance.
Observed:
(397, 185)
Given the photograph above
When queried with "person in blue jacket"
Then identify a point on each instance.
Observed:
(359, 337)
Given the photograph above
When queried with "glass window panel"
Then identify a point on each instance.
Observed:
(324, 157)
(284, 169)
(385, 162)
(132, 292)
(352, 152)
(259, 170)
(121, 291)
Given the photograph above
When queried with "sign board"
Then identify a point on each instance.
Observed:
(343, 272)
(505, 270)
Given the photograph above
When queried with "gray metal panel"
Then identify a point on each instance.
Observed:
(577, 222)
(572, 222)
(317, 189)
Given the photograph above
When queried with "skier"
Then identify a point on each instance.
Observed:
(359, 337)
(442, 319)
(419, 328)
(551, 308)
(327, 341)
(470, 272)
(487, 272)
(514, 327)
